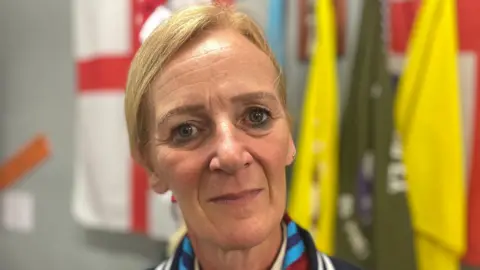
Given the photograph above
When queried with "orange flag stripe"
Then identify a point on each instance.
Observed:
(24, 161)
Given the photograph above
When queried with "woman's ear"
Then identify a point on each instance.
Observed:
(292, 151)
(157, 184)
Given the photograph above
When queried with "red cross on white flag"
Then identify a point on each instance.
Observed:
(110, 190)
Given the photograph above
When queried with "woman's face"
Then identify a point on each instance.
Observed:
(221, 139)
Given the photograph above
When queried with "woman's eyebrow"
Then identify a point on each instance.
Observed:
(197, 108)
(188, 109)
(252, 96)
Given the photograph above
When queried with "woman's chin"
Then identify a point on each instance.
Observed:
(244, 234)
(242, 240)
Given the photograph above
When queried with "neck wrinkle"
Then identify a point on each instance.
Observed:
(260, 257)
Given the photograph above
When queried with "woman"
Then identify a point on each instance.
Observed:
(206, 115)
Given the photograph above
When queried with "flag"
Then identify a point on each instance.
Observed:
(392, 230)
(110, 191)
(303, 29)
(374, 229)
(314, 177)
(158, 15)
(428, 119)
(469, 23)
(402, 18)
(472, 256)
(276, 26)
(353, 239)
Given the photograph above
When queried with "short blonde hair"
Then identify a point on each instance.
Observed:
(164, 42)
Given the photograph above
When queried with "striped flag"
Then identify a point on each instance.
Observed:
(472, 256)
(469, 23)
(428, 118)
(110, 190)
(314, 180)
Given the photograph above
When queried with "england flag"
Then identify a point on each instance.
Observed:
(111, 192)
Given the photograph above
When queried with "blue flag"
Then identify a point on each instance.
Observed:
(276, 29)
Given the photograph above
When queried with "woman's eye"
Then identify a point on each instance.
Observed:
(258, 116)
(184, 132)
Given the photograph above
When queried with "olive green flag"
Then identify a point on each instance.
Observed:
(374, 229)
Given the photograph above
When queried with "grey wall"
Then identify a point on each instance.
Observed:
(37, 82)
(37, 95)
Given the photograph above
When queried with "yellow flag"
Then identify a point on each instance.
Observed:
(314, 179)
(427, 115)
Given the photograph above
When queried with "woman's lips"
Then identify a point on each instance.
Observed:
(238, 197)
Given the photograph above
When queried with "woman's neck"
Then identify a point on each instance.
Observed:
(259, 257)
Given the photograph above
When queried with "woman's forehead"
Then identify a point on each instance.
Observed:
(222, 45)
(221, 58)
(215, 40)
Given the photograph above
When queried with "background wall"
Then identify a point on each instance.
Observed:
(37, 95)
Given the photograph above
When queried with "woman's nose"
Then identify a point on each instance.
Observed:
(231, 154)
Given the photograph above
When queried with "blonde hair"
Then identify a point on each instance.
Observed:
(163, 43)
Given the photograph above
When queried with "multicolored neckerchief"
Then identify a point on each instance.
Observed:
(294, 251)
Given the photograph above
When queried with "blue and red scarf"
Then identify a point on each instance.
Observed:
(295, 256)
(300, 253)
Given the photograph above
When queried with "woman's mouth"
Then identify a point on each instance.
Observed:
(237, 197)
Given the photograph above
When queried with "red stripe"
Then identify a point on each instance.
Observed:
(135, 26)
(469, 23)
(401, 22)
(302, 30)
(472, 256)
(301, 263)
(139, 179)
(141, 10)
(139, 199)
(103, 74)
